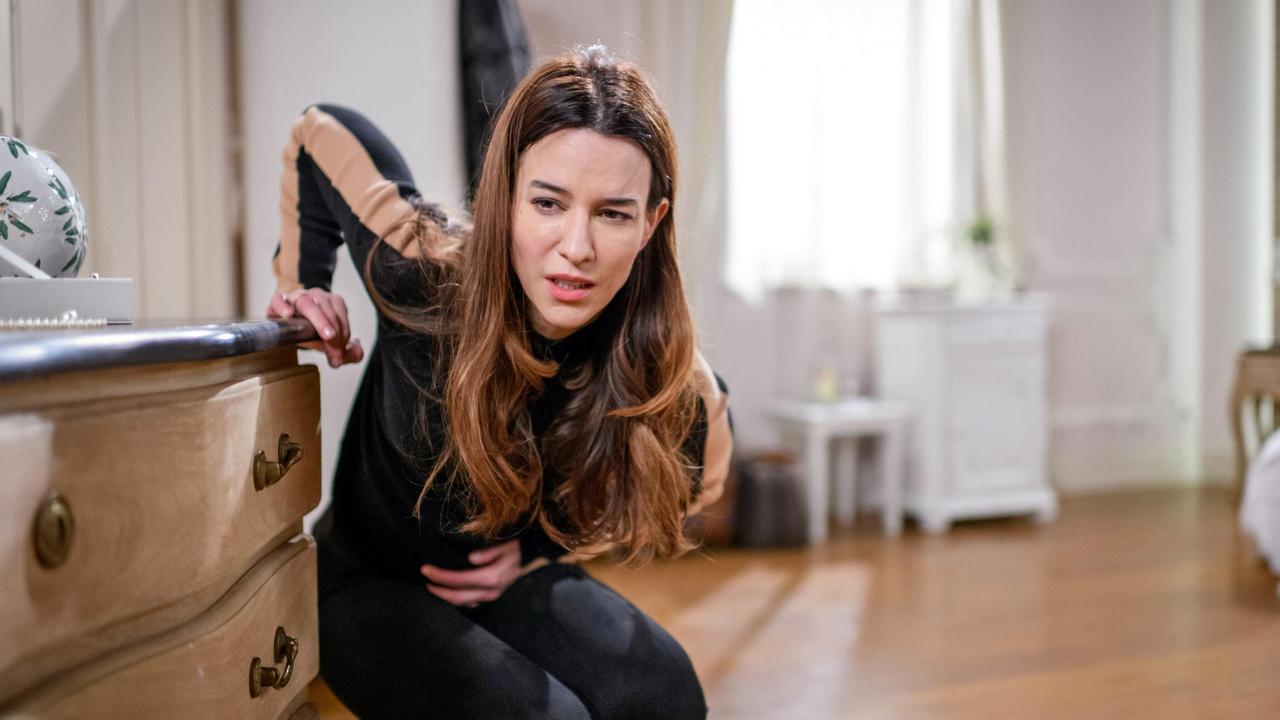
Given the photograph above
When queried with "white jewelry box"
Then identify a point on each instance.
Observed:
(32, 303)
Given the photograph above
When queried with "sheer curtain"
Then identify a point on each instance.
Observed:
(862, 137)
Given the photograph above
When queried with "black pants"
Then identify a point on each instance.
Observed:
(557, 644)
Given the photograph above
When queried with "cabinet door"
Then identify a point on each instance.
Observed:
(997, 421)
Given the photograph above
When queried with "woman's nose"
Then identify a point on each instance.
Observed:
(576, 245)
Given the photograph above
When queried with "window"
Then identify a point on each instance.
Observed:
(845, 125)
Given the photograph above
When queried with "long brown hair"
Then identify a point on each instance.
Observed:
(616, 445)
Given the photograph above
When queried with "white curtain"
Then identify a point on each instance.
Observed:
(862, 138)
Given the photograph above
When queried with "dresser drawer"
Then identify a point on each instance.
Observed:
(164, 511)
(998, 333)
(203, 669)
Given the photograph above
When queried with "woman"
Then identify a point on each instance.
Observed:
(534, 396)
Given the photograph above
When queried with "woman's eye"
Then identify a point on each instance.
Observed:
(545, 204)
(615, 215)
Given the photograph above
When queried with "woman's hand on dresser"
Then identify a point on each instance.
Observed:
(495, 569)
(327, 313)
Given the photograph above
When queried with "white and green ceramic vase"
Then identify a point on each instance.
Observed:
(41, 219)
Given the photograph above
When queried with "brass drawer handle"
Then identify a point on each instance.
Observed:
(263, 678)
(268, 472)
(54, 530)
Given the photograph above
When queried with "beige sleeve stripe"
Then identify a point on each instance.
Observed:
(719, 445)
(285, 264)
(337, 152)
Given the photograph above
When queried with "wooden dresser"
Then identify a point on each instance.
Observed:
(153, 482)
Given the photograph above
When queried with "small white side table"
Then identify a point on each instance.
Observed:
(845, 421)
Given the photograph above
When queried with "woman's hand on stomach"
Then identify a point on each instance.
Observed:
(327, 313)
(495, 569)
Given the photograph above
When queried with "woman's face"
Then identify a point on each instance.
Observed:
(577, 224)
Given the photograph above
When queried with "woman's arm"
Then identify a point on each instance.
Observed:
(344, 181)
(718, 446)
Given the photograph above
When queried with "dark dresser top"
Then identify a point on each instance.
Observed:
(32, 353)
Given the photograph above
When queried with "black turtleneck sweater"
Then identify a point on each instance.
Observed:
(344, 182)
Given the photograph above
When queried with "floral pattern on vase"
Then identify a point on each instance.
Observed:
(41, 218)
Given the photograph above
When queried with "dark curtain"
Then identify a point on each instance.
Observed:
(495, 57)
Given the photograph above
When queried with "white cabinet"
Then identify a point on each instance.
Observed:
(975, 374)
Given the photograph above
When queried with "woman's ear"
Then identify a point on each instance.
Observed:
(652, 218)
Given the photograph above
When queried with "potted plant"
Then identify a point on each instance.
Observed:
(981, 270)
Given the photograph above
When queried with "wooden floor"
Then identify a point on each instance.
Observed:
(1132, 605)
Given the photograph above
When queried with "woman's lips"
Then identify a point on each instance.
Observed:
(568, 290)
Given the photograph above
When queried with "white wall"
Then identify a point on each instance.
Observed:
(396, 61)
(1236, 229)
(1140, 153)
(132, 96)
(1087, 127)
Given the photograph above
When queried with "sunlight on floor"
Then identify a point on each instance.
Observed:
(767, 622)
